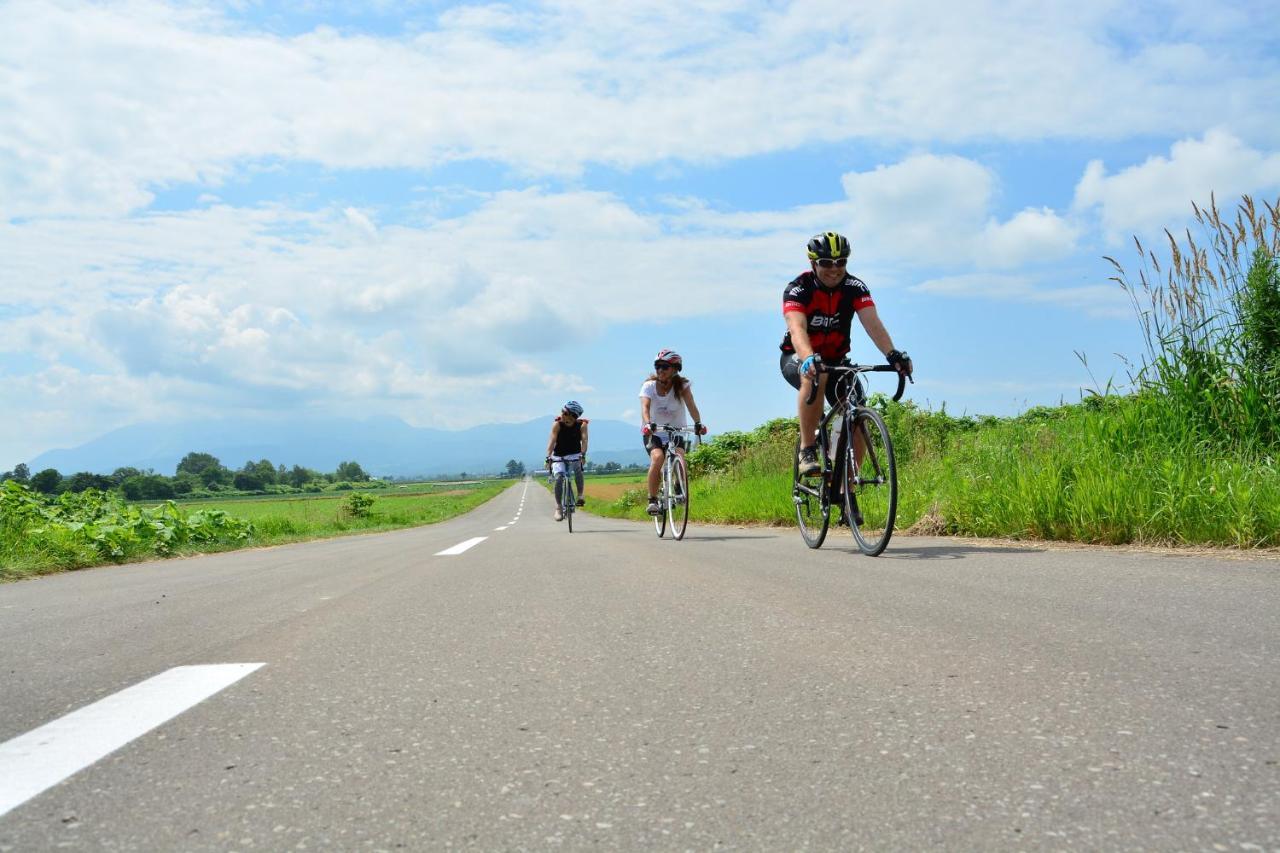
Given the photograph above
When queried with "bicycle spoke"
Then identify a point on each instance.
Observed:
(679, 497)
(813, 513)
(660, 520)
(871, 484)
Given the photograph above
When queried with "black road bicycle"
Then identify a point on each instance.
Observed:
(568, 500)
(857, 473)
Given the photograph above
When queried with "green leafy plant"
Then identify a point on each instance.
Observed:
(358, 505)
(82, 528)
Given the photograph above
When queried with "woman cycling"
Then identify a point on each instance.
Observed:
(663, 398)
(566, 449)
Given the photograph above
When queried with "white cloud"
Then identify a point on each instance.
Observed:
(1159, 192)
(316, 299)
(361, 222)
(981, 285)
(254, 309)
(118, 100)
(1030, 236)
(1098, 300)
(926, 207)
(258, 308)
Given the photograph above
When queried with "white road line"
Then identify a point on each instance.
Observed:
(461, 546)
(45, 756)
(503, 527)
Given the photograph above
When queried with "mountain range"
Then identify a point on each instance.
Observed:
(384, 447)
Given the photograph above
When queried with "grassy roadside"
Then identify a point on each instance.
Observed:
(1096, 472)
(89, 529)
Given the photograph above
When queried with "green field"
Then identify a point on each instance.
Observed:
(307, 517)
(38, 536)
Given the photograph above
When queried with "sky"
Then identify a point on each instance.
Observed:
(457, 213)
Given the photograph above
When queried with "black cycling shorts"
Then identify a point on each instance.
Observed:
(789, 363)
(653, 442)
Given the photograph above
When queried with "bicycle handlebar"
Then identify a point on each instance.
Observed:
(857, 368)
(682, 431)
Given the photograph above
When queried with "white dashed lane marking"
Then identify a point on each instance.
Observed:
(45, 756)
(460, 547)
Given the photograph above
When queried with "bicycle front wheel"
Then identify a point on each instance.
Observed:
(813, 511)
(678, 508)
(570, 501)
(660, 520)
(871, 482)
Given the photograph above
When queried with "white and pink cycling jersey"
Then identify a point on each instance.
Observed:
(666, 408)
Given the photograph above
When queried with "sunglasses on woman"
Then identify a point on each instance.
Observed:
(662, 365)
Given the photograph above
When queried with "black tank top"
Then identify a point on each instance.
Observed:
(569, 438)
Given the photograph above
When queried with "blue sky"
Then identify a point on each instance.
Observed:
(467, 213)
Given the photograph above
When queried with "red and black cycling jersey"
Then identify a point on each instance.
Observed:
(830, 312)
(569, 438)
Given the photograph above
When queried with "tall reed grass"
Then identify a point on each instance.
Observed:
(1210, 318)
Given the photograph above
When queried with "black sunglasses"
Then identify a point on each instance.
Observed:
(828, 263)
(662, 365)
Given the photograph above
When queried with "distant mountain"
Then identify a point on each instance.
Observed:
(382, 446)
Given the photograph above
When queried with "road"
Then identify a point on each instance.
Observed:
(607, 690)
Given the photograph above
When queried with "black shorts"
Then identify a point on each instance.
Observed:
(653, 442)
(790, 363)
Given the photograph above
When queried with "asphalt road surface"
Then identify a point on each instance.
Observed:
(607, 690)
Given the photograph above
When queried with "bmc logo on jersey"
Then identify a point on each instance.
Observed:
(818, 321)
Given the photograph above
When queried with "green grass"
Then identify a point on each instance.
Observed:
(77, 531)
(1101, 472)
(290, 519)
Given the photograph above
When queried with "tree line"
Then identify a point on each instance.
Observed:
(517, 469)
(197, 475)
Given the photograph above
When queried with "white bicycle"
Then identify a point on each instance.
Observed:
(673, 493)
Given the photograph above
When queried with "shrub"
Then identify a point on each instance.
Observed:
(248, 482)
(358, 505)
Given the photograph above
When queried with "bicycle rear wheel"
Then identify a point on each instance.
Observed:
(813, 511)
(870, 488)
(678, 508)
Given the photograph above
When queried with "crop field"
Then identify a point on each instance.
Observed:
(606, 488)
(296, 517)
(38, 535)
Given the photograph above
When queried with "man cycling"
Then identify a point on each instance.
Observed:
(566, 450)
(819, 306)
